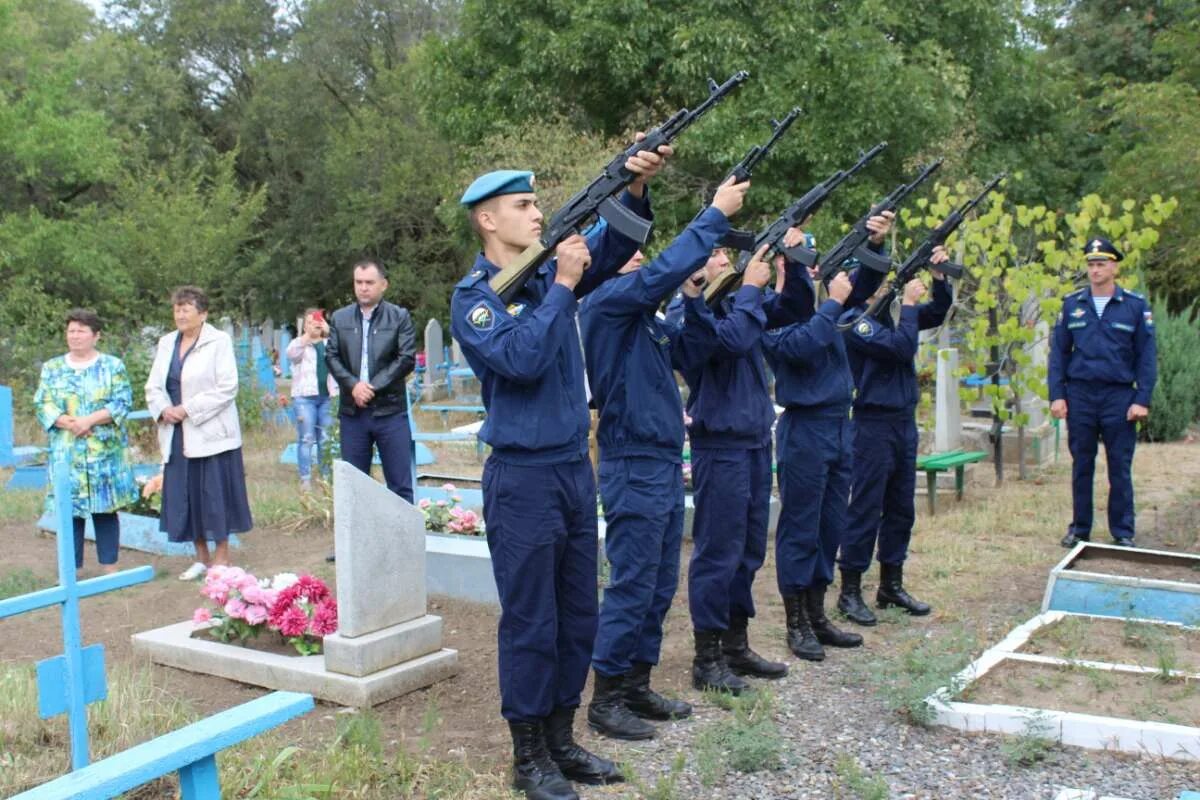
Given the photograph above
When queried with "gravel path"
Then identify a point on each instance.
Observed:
(828, 714)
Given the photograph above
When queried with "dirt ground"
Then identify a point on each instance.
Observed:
(1140, 565)
(946, 553)
(1117, 641)
(1090, 691)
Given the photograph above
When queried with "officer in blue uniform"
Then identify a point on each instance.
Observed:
(731, 415)
(538, 486)
(813, 384)
(881, 355)
(629, 354)
(1102, 372)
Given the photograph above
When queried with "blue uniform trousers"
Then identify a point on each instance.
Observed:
(1097, 411)
(815, 457)
(733, 496)
(541, 531)
(885, 478)
(643, 512)
(391, 435)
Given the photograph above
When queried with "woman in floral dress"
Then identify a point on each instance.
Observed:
(82, 400)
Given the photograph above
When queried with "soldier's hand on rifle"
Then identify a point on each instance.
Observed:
(840, 287)
(913, 290)
(730, 196)
(573, 258)
(694, 285)
(646, 164)
(879, 225)
(940, 256)
(758, 271)
(1058, 409)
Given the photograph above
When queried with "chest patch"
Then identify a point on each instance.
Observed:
(1077, 313)
(1074, 325)
(481, 317)
(864, 329)
(1121, 326)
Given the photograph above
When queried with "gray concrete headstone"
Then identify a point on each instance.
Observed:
(434, 343)
(379, 539)
(456, 353)
(947, 432)
(1039, 352)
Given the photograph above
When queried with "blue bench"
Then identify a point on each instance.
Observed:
(190, 751)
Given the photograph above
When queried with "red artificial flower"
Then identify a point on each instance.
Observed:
(294, 622)
(312, 588)
(325, 621)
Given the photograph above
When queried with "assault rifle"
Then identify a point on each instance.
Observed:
(740, 239)
(793, 215)
(920, 257)
(854, 243)
(598, 197)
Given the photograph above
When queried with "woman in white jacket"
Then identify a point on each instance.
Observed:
(191, 391)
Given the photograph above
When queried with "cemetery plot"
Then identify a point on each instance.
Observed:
(1129, 641)
(1138, 564)
(1122, 582)
(1090, 690)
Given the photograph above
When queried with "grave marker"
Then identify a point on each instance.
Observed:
(947, 434)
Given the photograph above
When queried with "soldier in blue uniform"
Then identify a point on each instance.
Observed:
(813, 384)
(1101, 373)
(881, 354)
(538, 486)
(731, 415)
(629, 354)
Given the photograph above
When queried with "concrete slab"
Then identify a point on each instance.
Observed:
(379, 650)
(173, 646)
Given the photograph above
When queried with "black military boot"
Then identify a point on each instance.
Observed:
(609, 716)
(891, 591)
(735, 646)
(850, 601)
(647, 703)
(826, 631)
(534, 773)
(709, 670)
(800, 637)
(576, 763)
(1072, 539)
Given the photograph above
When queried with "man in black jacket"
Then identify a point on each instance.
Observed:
(374, 407)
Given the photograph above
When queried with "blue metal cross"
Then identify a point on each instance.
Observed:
(68, 683)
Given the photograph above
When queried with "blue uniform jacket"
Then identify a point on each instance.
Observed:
(1117, 348)
(729, 398)
(809, 359)
(631, 352)
(527, 356)
(881, 356)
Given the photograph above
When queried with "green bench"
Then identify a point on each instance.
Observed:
(940, 462)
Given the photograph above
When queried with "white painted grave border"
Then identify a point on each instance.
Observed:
(1073, 728)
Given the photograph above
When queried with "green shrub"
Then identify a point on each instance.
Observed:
(1176, 401)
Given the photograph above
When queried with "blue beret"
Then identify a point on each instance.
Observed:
(1101, 248)
(502, 181)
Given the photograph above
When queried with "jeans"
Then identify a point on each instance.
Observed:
(314, 418)
(108, 534)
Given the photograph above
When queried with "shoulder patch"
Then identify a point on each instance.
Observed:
(1148, 317)
(481, 317)
(864, 329)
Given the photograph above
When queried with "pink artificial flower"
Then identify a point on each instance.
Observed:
(441, 503)
(448, 487)
(325, 621)
(424, 503)
(256, 614)
(294, 622)
(312, 588)
(235, 608)
(201, 616)
(255, 594)
(217, 572)
(217, 591)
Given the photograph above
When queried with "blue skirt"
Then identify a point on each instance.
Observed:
(203, 496)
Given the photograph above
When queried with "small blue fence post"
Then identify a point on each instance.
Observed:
(7, 458)
(200, 780)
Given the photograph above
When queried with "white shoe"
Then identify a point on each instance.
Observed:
(194, 571)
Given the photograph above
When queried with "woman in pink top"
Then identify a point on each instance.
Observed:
(313, 390)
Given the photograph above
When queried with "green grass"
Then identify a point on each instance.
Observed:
(747, 741)
(1032, 745)
(21, 581)
(918, 669)
(856, 780)
(21, 505)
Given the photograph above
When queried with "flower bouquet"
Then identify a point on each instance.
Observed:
(300, 608)
(443, 516)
